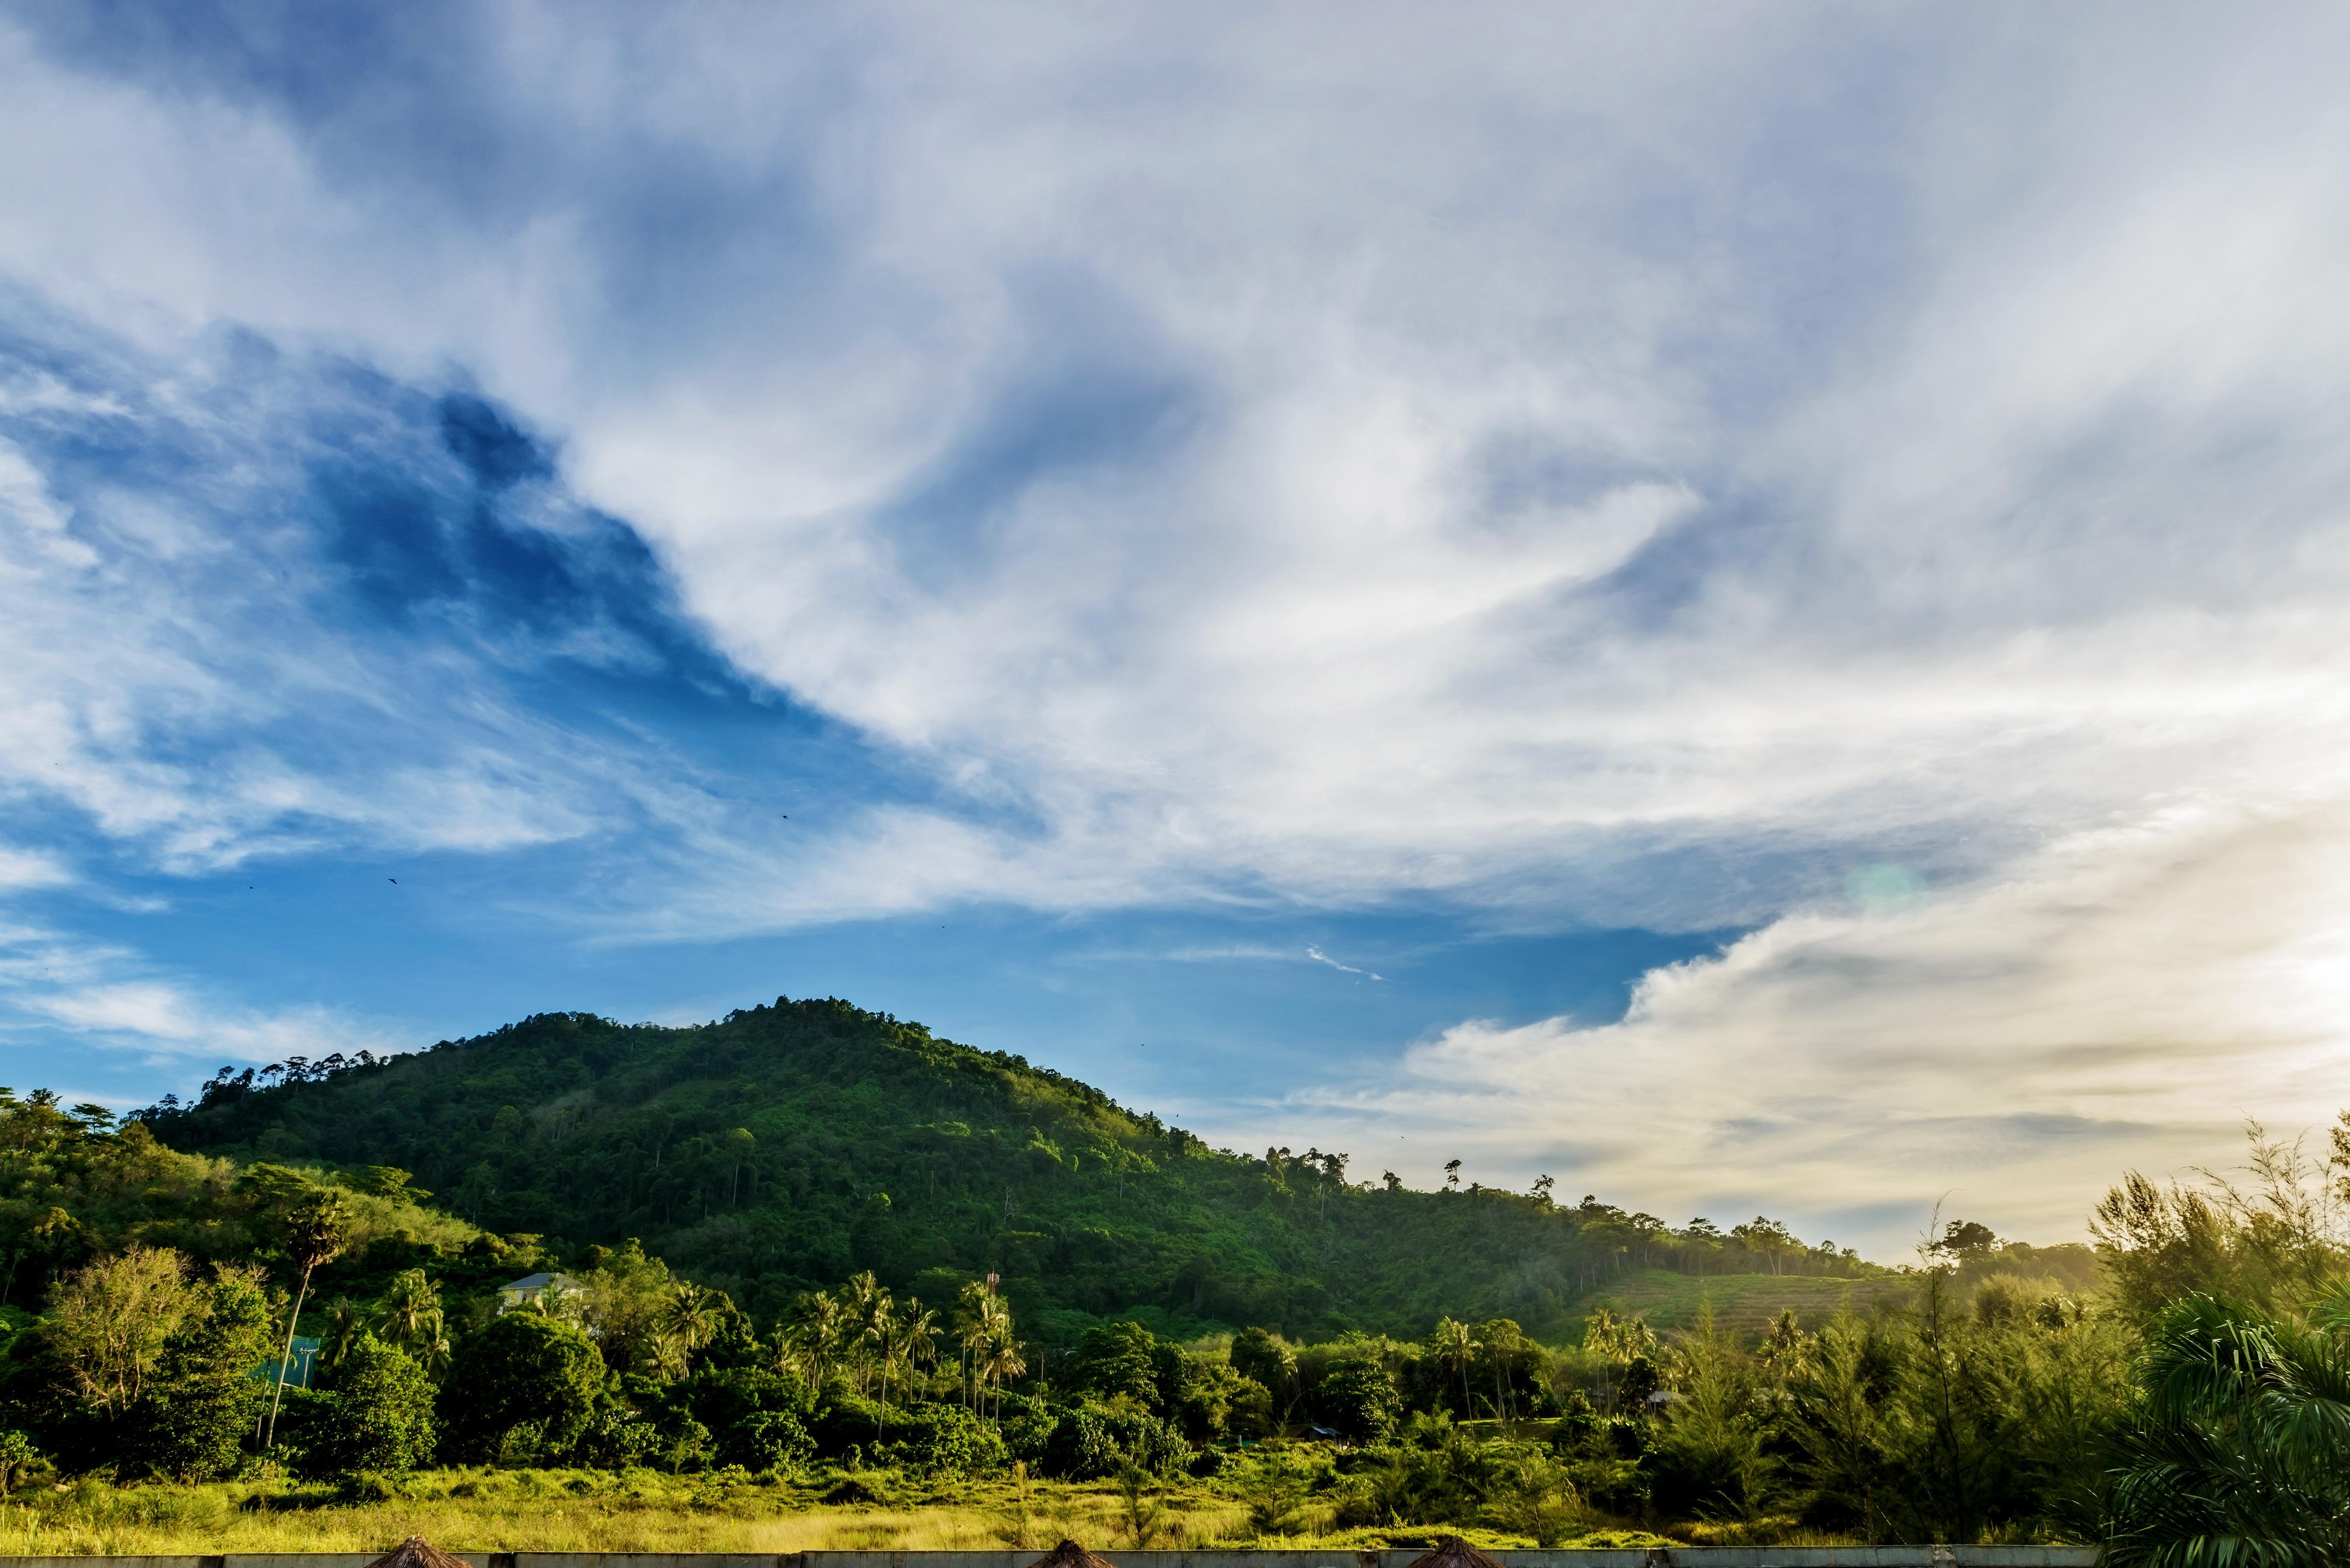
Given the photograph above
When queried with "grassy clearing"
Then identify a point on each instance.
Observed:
(1743, 1303)
(582, 1510)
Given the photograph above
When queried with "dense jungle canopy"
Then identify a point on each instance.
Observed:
(788, 1146)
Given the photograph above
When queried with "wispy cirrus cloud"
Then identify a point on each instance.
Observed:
(1558, 469)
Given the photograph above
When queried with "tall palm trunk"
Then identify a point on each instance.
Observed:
(283, 1360)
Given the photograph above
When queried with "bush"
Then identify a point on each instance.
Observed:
(193, 1423)
(524, 1391)
(1080, 1448)
(754, 1415)
(1090, 1442)
(935, 1439)
(378, 1416)
(1359, 1399)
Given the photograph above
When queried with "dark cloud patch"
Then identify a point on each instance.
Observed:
(486, 441)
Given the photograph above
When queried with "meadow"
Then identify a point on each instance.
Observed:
(647, 1511)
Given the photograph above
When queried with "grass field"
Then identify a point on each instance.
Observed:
(583, 1510)
(1743, 1303)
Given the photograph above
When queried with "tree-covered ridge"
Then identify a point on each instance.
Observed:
(790, 1145)
(75, 1187)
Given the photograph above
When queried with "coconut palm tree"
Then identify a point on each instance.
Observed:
(918, 1338)
(866, 1308)
(1454, 1348)
(815, 1335)
(999, 1359)
(2239, 1454)
(410, 1313)
(316, 1233)
(975, 1314)
(684, 1320)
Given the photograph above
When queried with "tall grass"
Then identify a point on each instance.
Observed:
(585, 1511)
(540, 1510)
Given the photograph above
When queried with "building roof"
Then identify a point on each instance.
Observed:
(1069, 1554)
(418, 1552)
(1454, 1553)
(539, 1281)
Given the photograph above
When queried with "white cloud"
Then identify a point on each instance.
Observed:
(108, 994)
(1931, 411)
(1603, 466)
(1318, 955)
(2126, 997)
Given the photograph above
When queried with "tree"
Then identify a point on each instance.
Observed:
(192, 1423)
(684, 1321)
(2241, 1450)
(1359, 1399)
(1260, 1355)
(345, 1323)
(974, 1316)
(866, 1309)
(1000, 1359)
(380, 1415)
(523, 1390)
(1117, 1358)
(1454, 1348)
(410, 1317)
(1961, 1240)
(813, 1334)
(109, 1321)
(316, 1233)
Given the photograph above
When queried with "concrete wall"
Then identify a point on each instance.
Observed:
(1673, 1557)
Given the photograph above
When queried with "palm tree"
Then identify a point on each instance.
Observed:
(815, 1334)
(975, 1315)
(867, 1304)
(918, 1337)
(2239, 1454)
(999, 1359)
(316, 1235)
(345, 1323)
(684, 1320)
(1455, 1347)
(410, 1313)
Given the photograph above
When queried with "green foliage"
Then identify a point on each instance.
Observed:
(193, 1419)
(932, 1438)
(378, 1416)
(1089, 1442)
(18, 1458)
(523, 1390)
(756, 1417)
(2238, 1452)
(1119, 1359)
(789, 1146)
(1359, 1400)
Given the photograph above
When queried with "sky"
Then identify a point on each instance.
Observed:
(1744, 606)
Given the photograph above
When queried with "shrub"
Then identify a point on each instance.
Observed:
(192, 1421)
(1359, 1399)
(379, 1415)
(1090, 1442)
(522, 1391)
(935, 1439)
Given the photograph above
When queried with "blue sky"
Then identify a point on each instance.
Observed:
(1736, 605)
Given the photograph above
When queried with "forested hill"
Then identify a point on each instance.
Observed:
(788, 1146)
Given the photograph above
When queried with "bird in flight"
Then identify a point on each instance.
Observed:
(394, 881)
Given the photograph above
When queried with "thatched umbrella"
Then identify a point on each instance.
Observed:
(1069, 1554)
(1454, 1553)
(418, 1552)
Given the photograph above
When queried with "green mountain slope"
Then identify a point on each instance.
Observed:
(787, 1146)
